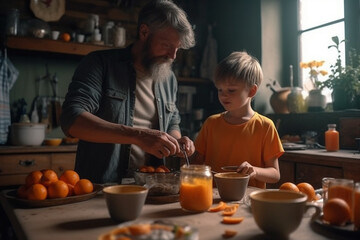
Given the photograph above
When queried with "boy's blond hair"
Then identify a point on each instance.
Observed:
(239, 67)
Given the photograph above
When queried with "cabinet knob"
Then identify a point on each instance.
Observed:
(27, 163)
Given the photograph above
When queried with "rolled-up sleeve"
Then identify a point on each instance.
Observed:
(84, 92)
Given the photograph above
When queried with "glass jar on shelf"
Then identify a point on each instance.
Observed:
(295, 101)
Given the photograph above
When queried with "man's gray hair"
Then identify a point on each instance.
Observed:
(158, 14)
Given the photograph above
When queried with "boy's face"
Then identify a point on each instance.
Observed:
(233, 95)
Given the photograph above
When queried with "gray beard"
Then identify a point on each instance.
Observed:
(160, 71)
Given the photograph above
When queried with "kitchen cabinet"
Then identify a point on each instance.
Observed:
(312, 165)
(17, 162)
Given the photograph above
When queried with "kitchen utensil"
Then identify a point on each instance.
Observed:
(125, 202)
(163, 184)
(140, 177)
(186, 156)
(27, 134)
(231, 185)
(278, 212)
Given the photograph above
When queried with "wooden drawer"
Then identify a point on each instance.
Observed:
(15, 167)
(313, 174)
(23, 163)
(63, 161)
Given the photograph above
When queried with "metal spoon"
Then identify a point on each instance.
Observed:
(185, 154)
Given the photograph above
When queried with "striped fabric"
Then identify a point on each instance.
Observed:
(8, 76)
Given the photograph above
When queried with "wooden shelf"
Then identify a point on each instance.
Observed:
(59, 46)
(49, 45)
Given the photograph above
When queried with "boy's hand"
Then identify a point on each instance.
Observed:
(247, 168)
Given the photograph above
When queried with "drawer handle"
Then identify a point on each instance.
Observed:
(27, 163)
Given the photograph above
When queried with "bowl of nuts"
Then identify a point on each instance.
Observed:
(160, 181)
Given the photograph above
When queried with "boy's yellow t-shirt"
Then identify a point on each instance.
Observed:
(224, 144)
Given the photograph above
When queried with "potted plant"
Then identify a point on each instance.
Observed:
(344, 81)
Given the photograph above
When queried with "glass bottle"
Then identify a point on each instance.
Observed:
(196, 188)
(332, 138)
(12, 22)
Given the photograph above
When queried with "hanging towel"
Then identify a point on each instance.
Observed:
(209, 58)
(8, 76)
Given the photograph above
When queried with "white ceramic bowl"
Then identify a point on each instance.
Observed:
(279, 212)
(28, 134)
(231, 185)
(125, 202)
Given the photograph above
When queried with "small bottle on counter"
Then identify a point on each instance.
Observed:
(332, 138)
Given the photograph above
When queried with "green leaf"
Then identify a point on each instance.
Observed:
(335, 39)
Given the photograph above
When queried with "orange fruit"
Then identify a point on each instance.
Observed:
(71, 190)
(22, 191)
(49, 176)
(308, 189)
(33, 177)
(164, 168)
(336, 211)
(58, 189)
(37, 192)
(143, 169)
(150, 169)
(83, 186)
(159, 170)
(66, 37)
(289, 186)
(70, 177)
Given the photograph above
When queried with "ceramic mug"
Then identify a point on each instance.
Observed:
(278, 213)
(125, 202)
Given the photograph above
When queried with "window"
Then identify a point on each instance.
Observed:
(317, 25)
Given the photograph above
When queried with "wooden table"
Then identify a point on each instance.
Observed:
(88, 219)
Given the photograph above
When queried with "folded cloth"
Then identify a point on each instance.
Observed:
(8, 76)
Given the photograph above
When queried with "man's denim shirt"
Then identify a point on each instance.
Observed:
(104, 85)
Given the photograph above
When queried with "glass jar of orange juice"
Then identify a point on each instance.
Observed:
(196, 188)
(332, 138)
(342, 188)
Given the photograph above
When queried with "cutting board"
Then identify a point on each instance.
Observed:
(349, 130)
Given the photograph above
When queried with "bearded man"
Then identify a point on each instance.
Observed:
(121, 103)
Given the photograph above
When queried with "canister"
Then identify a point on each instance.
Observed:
(196, 188)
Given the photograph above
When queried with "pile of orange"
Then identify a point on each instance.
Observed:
(303, 187)
(151, 169)
(45, 184)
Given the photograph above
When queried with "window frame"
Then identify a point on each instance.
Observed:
(290, 38)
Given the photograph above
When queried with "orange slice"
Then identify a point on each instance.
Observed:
(219, 207)
(230, 210)
(229, 233)
(232, 220)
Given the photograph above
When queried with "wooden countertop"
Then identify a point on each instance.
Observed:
(89, 219)
(349, 154)
(37, 149)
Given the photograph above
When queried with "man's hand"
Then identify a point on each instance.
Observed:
(157, 143)
(187, 145)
